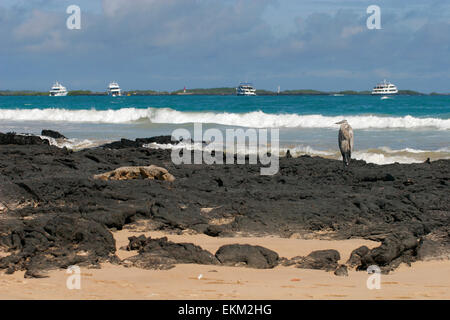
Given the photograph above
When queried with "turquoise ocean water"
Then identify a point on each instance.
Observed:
(401, 129)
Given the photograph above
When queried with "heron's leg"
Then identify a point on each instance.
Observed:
(347, 159)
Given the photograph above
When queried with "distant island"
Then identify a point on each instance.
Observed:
(225, 91)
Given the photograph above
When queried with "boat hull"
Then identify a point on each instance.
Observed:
(384, 94)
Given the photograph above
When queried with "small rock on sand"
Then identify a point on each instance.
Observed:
(355, 256)
(321, 259)
(341, 271)
(246, 255)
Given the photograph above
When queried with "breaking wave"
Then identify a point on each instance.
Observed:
(255, 119)
(379, 156)
(74, 144)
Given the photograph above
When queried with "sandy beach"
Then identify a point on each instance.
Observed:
(425, 280)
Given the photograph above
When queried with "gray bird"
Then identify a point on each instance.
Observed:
(345, 141)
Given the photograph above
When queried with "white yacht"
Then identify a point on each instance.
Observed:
(58, 90)
(246, 89)
(385, 88)
(114, 89)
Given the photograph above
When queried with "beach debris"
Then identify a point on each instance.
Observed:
(247, 255)
(200, 276)
(130, 173)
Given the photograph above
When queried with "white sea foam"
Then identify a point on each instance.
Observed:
(385, 155)
(412, 150)
(241, 149)
(255, 119)
(379, 156)
(74, 144)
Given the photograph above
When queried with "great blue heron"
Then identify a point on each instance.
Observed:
(345, 141)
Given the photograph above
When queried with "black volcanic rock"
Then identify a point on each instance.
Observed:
(158, 139)
(321, 259)
(356, 255)
(39, 182)
(45, 243)
(433, 249)
(138, 143)
(13, 138)
(52, 134)
(341, 271)
(137, 243)
(395, 249)
(251, 256)
(164, 254)
(122, 144)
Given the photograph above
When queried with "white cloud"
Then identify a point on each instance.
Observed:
(147, 40)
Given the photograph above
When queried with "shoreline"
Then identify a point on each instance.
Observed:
(58, 208)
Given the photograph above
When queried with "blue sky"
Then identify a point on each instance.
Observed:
(169, 44)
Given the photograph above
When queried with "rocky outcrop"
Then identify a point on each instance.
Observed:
(54, 242)
(356, 255)
(341, 271)
(246, 255)
(395, 249)
(52, 134)
(321, 259)
(130, 173)
(309, 195)
(164, 254)
(432, 250)
(13, 138)
(138, 143)
(3, 208)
